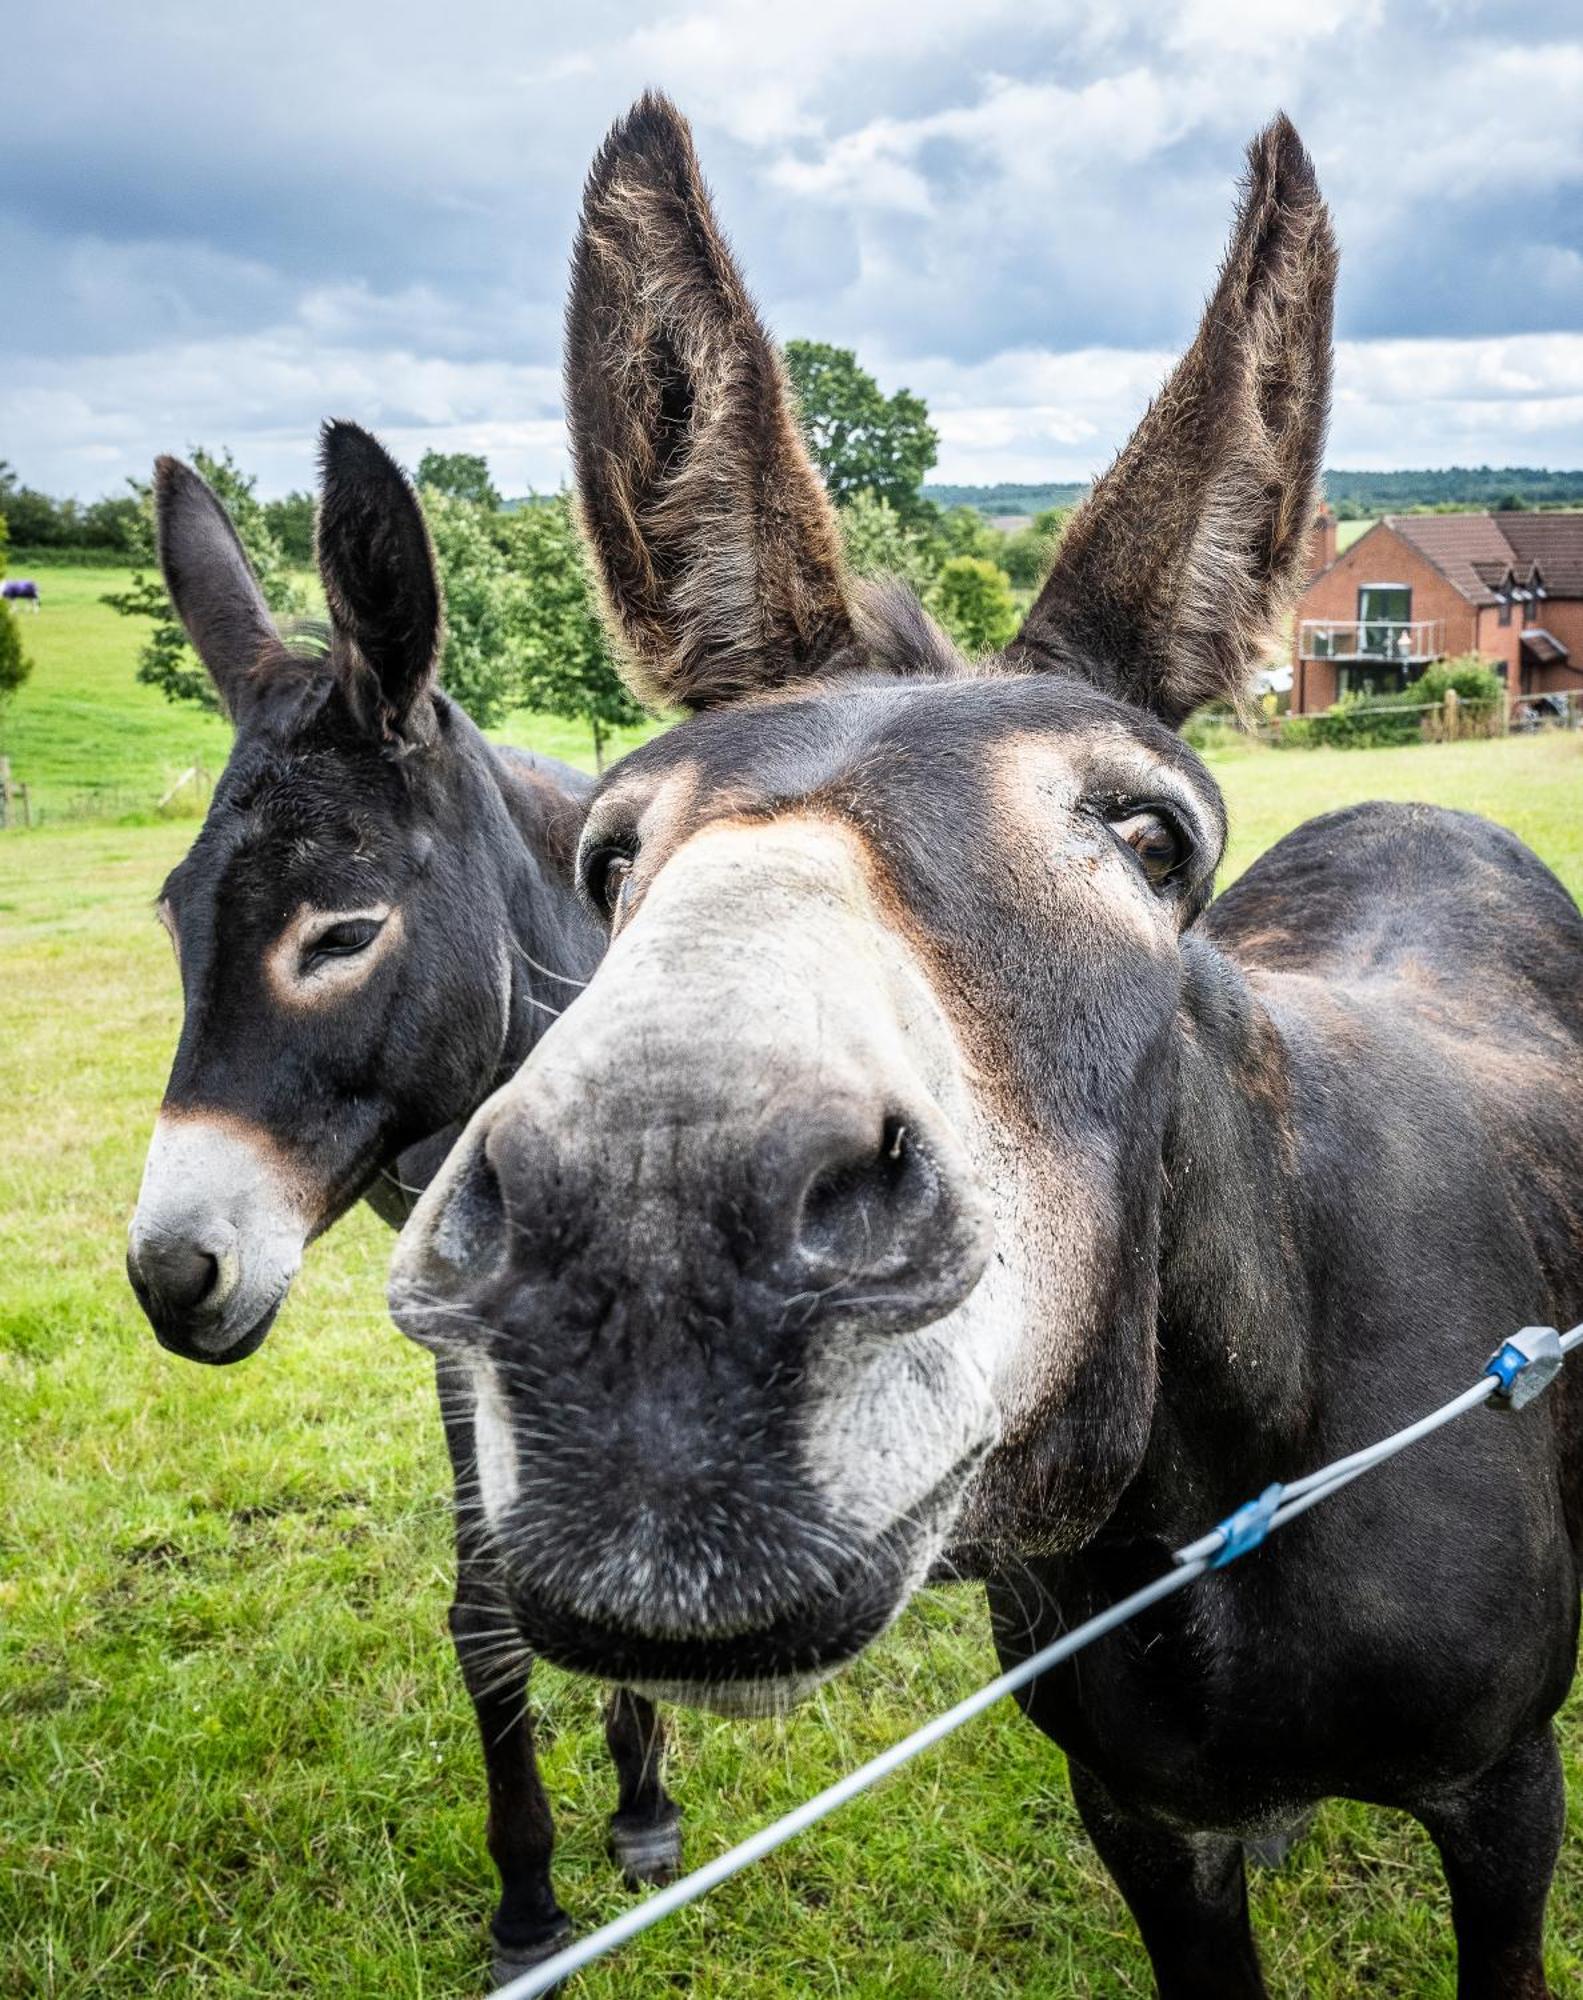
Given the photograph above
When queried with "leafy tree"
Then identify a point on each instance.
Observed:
(459, 475)
(35, 520)
(566, 657)
(963, 531)
(1026, 556)
(880, 543)
(15, 666)
(291, 523)
(861, 440)
(116, 522)
(973, 601)
(482, 664)
(167, 661)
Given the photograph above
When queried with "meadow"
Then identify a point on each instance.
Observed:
(235, 1754)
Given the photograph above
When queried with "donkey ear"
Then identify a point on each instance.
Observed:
(713, 540)
(211, 584)
(1173, 576)
(378, 568)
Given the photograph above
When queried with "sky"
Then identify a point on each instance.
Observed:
(219, 225)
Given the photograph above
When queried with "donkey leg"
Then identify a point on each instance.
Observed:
(1187, 1893)
(1499, 1840)
(529, 1923)
(645, 1828)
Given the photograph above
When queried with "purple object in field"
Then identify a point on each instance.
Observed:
(22, 587)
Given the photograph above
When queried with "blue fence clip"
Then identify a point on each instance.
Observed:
(1246, 1528)
(1525, 1366)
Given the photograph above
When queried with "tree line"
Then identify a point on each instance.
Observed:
(522, 625)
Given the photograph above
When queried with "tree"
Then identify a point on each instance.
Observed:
(973, 601)
(115, 522)
(879, 542)
(34, 519)
(459, 475)
(167, 661)
(482, 663)
(15, 666)
(861, 440)
(1026, 556)
(566, 657)
(291, 523)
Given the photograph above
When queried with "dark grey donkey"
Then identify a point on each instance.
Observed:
(374, 927)
(930, 1169)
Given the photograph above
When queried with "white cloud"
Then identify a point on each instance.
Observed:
(1016, 211)
(1034, 415)
(71, 424)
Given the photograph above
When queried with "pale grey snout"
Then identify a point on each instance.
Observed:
(215, 1241)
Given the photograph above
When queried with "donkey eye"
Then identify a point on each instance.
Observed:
(352, 934)
(1160, 846)
(606, 876)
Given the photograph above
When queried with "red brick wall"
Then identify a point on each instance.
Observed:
(1496, 642)
(1562, 618)
(1380, 556)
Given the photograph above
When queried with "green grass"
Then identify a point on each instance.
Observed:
(235, 1755)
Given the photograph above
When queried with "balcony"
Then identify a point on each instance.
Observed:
(1379, 641)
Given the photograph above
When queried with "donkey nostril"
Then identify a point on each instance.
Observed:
(861, 1214)
(471, 1227)
(172, 1276)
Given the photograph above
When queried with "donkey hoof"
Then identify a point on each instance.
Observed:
(511, 1961)
(1271, 1850)
(648, 1856)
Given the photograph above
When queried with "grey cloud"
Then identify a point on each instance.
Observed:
(940, 186)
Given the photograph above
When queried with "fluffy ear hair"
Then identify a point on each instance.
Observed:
(1173, 576)
(210, 581)
(714, 543)
(379, 576)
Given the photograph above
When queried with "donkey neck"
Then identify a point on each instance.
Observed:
(553, 945)
(1236, 1401)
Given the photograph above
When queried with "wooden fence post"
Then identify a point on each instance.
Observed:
(1449, 711)
(5, 791)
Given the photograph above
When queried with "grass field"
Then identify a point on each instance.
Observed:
(235, 1756)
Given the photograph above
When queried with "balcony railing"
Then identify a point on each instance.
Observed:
(1385, 640)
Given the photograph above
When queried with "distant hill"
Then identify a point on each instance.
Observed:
(1007, 498)
(1352, 494)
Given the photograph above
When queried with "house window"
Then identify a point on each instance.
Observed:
(1374, 678)
(1504, 615)
(1385, 611)
(1530, 608)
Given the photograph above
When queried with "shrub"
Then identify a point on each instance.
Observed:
(15, 666)
(1468, 677)
(973, 601)
(1295, 733)
(1359, 722)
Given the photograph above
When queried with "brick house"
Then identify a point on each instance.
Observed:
(1422, 587)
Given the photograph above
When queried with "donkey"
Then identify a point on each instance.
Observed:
(373, 927)
(931, 1172)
